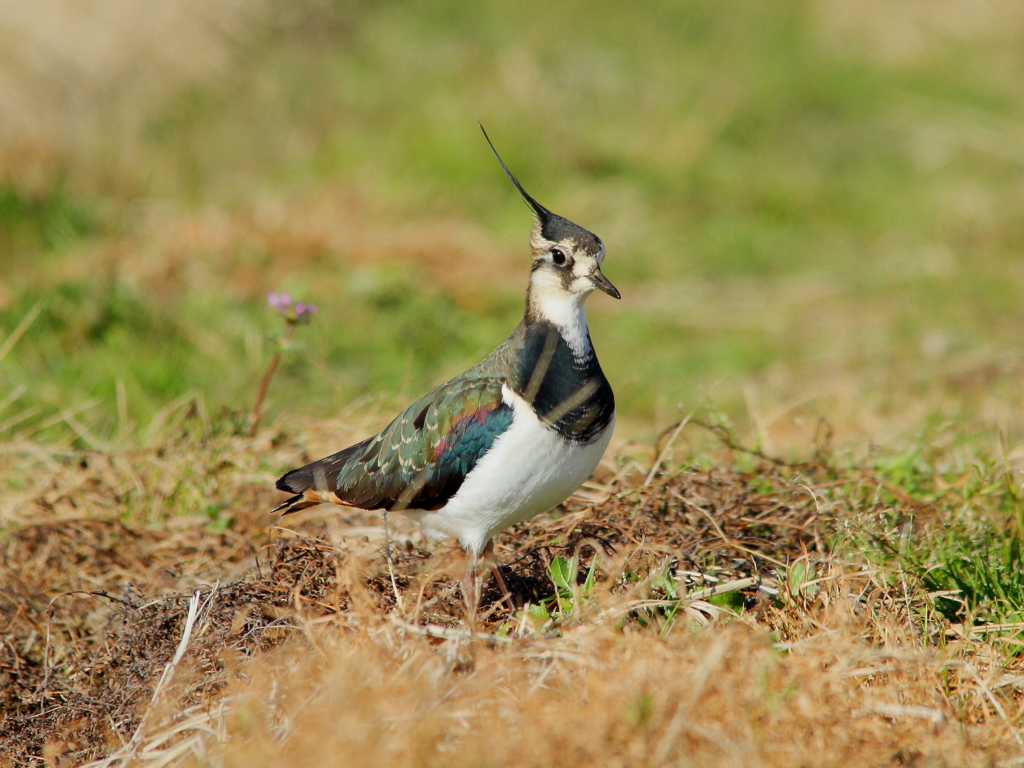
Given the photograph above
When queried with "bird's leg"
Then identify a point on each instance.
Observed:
(391, 567)
(470, 591)
(492, 561)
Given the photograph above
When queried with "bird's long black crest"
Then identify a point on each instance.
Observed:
(542, 212)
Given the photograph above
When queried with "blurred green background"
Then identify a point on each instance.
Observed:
(813, 209)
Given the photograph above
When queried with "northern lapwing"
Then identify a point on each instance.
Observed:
(511, 437)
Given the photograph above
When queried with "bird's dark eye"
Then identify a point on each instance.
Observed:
(558, 256)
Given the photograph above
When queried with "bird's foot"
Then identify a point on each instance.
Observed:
(492, 560)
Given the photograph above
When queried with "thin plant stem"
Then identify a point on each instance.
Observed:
(257, 411)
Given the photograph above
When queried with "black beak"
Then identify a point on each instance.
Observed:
(602, 282)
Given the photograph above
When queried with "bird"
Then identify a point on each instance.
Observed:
(513, 436)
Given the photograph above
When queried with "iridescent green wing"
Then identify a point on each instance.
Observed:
(420, 460)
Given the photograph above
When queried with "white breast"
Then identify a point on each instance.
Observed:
(528, 469)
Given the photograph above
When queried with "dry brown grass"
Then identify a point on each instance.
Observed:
(303, 650)
(169, 252)
(720, 696)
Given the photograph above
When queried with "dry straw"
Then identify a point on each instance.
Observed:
(304, 654)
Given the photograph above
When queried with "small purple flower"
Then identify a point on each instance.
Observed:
(297, 313)
(280, 301)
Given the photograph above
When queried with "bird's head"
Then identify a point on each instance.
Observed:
(566, 257)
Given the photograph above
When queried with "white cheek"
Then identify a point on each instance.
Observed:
(546, 284)
(584, 267)
(581, 285)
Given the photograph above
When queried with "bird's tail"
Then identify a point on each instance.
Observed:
(313, 484)
(305, 500)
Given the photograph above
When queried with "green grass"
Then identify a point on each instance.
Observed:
(781, 211)
(977, 576)
(948, 523)
(30, 225)
(87, 337)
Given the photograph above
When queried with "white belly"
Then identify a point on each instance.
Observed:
(528, 469)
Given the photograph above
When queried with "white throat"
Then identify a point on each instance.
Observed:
(550, 301)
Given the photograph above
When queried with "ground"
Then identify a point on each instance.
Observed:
(694, 616)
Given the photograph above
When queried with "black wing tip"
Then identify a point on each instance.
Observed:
(283, 484)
